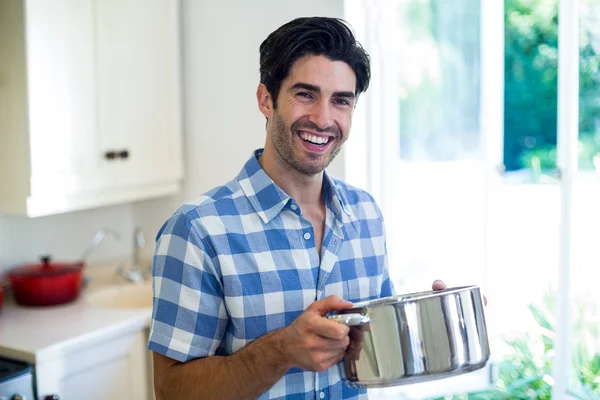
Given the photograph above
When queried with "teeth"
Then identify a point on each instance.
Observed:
(314, 139)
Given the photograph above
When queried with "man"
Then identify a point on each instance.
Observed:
(244, 277)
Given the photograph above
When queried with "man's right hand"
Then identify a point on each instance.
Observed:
(313, 342)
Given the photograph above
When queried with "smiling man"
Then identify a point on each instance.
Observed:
(244, 276)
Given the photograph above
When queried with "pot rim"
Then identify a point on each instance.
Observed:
(45, 270)
(409, 297)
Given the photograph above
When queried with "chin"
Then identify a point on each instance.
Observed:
(311, 169)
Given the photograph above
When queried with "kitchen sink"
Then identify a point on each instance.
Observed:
(121, 296)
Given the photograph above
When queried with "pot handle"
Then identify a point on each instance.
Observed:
(353, 319)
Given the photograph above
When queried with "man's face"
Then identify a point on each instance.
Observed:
(314, 113)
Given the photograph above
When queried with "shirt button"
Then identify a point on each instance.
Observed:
(321, 395)
(307, 236)
(294, 207)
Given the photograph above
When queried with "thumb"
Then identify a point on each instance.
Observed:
(329, 303)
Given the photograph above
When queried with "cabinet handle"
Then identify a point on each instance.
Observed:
(111, 155)
(51, 397)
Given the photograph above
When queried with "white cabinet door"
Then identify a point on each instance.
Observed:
(64, 142)
(115, 370)
(102, 77)
(138, 88)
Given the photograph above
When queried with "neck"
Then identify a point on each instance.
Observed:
(305, 189)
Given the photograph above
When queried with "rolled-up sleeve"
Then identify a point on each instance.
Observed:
(387, 286)
(188, 316)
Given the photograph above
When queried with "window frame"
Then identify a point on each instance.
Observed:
(375, 145)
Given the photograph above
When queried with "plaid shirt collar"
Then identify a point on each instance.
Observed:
(268, 199)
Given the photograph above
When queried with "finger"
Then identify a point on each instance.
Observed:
(438, 285)
(320, 343)
(356, 334)
(330, 303)
(354, 348)
(337, 345)
(327, 328)
(336, 358)
(353, 354)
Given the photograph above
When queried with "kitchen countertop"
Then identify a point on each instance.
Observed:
(36, 334)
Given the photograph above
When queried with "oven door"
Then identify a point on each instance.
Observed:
(16, 380)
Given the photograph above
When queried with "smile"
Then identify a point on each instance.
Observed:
(314, 139)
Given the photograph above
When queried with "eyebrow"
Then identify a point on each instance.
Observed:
(313, 88)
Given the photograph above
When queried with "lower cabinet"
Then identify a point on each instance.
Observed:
(149, 368)
(117, 369)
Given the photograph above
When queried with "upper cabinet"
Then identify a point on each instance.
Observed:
(90, 103)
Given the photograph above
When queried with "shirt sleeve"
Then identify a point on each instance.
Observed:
(188, 314)
(387, 286)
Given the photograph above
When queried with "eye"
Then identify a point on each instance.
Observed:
(305, 95)
(342, 102)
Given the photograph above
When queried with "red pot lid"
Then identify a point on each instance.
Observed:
(45, 269)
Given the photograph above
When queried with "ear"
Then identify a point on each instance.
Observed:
(265, 104)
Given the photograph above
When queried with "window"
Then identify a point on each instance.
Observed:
(420, 125)
(584, 301)
(480, 138)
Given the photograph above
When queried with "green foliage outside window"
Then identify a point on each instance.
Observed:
(531, 82)
(526, 372)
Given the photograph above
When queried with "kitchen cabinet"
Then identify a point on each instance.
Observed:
(116, 369)
(90, 103)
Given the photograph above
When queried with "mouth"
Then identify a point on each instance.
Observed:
(315, 142)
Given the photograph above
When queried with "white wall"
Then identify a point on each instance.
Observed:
(221, 41)
(64, 237)
(222, 127)
(220, 70)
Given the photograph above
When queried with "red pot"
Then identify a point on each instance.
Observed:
(1, 295)
(47, 283)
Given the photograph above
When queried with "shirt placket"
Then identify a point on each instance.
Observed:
(332, 241)
(329, 248)
(321, 393)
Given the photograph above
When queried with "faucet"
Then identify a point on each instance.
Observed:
(134, 273)
(98, 237)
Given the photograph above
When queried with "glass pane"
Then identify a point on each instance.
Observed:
(525, 209)
(585, 300)
(438, 225)
(524, 215)
(440, 172)
(589, 86)
(585, 268)
(530, 94)
(439, 80)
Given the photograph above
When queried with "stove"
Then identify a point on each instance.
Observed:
(16, 380)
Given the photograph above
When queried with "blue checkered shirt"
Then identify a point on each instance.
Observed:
(241, 262)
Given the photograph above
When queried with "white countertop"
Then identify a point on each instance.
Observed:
(36, 334)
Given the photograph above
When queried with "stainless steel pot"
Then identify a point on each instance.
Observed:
(415, 337)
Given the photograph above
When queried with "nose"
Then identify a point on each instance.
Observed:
(321, 115)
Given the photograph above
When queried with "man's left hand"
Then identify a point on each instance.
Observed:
(440, 285)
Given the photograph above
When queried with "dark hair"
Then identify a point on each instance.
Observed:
(330, 37)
